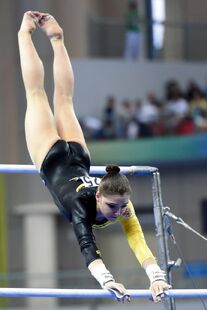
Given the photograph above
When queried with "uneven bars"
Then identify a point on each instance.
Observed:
(95, 293)
(99, 170)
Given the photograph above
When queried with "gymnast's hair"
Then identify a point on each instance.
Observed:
(114, 183)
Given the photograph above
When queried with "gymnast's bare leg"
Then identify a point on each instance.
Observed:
(40, 128)
(66, 122)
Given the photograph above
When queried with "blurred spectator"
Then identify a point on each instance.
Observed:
(110, 119)
(132, 35)
(201, 122)
(176, 107)
(198, 108)
(148, 116)
(144, 130)
(186, 126)
(133, 129)
(151, 117)
(147, 112)
(108, 130)
(156, 123)
(198, 103)
(192, 88)
(92, 127)
(126, 114)
(205, 89)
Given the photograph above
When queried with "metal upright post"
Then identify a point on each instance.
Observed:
(163, 250)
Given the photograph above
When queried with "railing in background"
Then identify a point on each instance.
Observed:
(182, 40)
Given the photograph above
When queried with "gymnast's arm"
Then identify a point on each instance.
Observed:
(83, 231)
(134, 234)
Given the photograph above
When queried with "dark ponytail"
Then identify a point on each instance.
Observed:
(112, 169)
(114, 183)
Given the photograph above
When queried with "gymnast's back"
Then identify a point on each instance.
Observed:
(60, 171)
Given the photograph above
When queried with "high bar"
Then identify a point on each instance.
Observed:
(95, 293)
(98, 170)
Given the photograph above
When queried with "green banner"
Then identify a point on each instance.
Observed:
(150, 151)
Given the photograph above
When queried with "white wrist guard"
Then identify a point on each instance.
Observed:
(101, 274)
(154, 273)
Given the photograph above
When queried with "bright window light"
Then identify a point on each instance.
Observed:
(158, 16)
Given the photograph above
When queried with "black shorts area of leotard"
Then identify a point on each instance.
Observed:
(64, 161)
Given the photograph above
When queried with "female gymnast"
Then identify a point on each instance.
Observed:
(58, 149)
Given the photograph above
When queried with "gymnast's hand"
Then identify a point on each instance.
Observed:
(119, 291)
(106, 280)
(157, 277)
(158, 289)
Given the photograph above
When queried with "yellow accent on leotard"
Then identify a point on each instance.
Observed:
(80, 187)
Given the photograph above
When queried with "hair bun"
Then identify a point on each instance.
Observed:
(112, 169)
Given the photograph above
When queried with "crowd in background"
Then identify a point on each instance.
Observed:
(181, 112)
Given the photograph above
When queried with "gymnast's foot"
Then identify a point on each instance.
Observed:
(29, 21)
(50, 26)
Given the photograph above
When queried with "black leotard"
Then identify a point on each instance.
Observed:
(62, 169)
(66, 161)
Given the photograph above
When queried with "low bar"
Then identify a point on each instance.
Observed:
(98, 170)
(95, 293)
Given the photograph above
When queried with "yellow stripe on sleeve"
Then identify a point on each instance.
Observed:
(135, 236)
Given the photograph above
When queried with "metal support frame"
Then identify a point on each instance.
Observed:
(163, 249)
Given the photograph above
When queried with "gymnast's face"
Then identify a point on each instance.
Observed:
(111, 206)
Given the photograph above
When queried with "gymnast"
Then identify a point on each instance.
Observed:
(58, 150)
